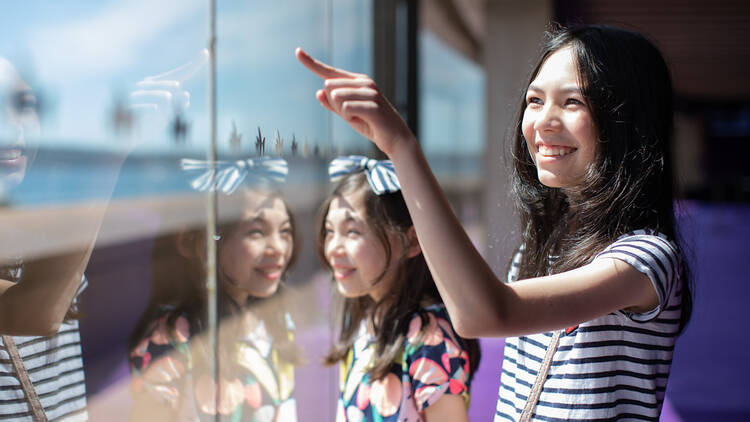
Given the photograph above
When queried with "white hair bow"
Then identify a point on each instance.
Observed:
(380, 174)
(230, 175)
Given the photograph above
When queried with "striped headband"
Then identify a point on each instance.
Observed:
(230, 175)
(380, 174)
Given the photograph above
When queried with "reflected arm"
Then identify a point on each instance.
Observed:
(38, 304)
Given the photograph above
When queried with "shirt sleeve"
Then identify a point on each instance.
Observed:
(160, 360)
(653, 255)
(437, 361)
(514, 265)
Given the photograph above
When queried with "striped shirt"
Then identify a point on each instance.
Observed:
(611, 368)
(55, 367)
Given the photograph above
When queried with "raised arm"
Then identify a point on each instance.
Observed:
(55, 243)
(479, 304)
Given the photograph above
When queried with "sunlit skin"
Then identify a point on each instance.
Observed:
(19, 123)
(354, 252)
(557, 123)
(254, 254)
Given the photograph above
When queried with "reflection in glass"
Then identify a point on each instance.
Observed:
(170, 354)
(114, 122)
(19, 127)
(41, 371)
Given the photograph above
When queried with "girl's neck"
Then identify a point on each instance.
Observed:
(236, 295)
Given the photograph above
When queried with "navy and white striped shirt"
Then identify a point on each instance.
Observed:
(55, 367)
(613, 367)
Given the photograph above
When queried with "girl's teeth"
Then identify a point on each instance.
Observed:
(552, 151)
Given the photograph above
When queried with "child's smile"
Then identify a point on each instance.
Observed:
(557, 124)
(354, 252)
(342, 272)
(270, 272)
(256, 251)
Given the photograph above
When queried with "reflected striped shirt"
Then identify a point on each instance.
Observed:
(611, 368)
(55, 367)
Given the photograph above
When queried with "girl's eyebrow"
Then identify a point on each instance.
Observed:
(565, 89)
(349, 218)
(255, 220)
(261, 220)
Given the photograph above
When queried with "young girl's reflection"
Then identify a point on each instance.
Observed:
(169, 353)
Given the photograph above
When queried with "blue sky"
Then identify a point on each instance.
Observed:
(84, 56)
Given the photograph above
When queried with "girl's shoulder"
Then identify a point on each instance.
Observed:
(644, 234)
(658, 257)
(168, 331)
(436, 359)
(645, 243)
(431, 326)
(171, 322)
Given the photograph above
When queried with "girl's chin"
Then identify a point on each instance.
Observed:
(252, 288)
(348, 292)
(264, 290)
(12, 174)
(553, 180)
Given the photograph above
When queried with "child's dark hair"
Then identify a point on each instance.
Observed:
(414, 286)
(628, 89)
(178, 288)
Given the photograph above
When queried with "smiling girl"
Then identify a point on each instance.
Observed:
(169, 355)
(400, 357)
(598, 290)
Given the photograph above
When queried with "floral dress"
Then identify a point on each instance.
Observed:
(163, 366)
(433, 364)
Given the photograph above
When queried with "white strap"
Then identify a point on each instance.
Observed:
(32, 399)
(541, 376)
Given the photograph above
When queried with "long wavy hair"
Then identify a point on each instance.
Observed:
(413, 286)
(628, 89)
(179, 288)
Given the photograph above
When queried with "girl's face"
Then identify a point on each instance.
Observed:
(354, 252)
(254, 254)
(19, 126)
(557, 123)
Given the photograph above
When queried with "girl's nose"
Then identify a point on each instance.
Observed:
(275, 244)
(547, 119)
(334, 247)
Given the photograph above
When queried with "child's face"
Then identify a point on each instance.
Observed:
(355, 252)
(19, 124)
(255, 253)
(557, 123)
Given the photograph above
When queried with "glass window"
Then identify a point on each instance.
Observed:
(106, 170)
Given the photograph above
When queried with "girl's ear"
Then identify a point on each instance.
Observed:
(412, 243)
(186, 242)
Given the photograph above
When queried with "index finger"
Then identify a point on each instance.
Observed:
(321, 69)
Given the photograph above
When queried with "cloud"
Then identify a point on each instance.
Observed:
(107, 40)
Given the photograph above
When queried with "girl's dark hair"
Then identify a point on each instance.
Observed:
(628, 89)
(178, 288)
(413, 286)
